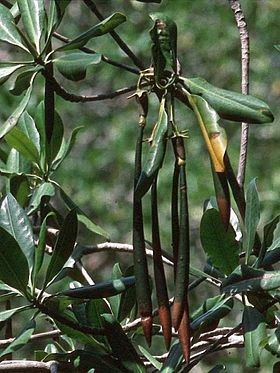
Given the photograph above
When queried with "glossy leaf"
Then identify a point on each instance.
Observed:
(82, 216)
(219, 244)
(254, 332)
(13, 263)
(17, 164)
(65, 148)
(55, 15)
(156, 153)
(63, 246)
(7, 314)
(27, 125)
(222, 196)
(43, 190)
(214, 136)
(73, 66)
(94, 309)
(252, 216)
(246, 279)
(7, 70)
(102, 290)
(101, 28)
(8, 31)
(17, 139)
(23, 79)
(231, 105)
(14, 117)
(212, 310)
(268, 233)
(21, 339)
(33, 18)
(116, 299)
(15, 221)
(121, 346)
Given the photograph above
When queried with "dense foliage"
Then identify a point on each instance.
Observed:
(121, 322)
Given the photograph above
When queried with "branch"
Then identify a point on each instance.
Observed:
(115, 36)
(245, 60)
(59, 90)
(36, 337)
(19, 366)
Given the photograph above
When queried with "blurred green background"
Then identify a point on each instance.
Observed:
(99, 172)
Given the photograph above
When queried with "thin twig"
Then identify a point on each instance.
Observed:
(36, 337)
(59, 90)
(245, 60)
(106, 59)
(90, 4)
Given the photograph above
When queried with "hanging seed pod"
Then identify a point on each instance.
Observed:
(143, 291)
(160, 280)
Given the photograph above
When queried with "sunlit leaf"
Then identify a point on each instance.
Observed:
(101, 28)
(19, 188)
(15, 221)
(214, 136)
(14, 117)
(23, 79)
(17, 139)
(26, 123)
(73, 66)
(7, 71)
(7, 314)
(247, 279)
(231, 105)
(219, 244)
(33, 18)
(8, 31)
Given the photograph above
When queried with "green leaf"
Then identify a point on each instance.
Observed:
(101, 28)
(220, 245)
(19, 188)
(214, 135)
(23, 80)
(268, 231)
(102, 290)
(44, 190)
(6, 315)
(247, 279)
(17, 139)
(115, 300)
(121, 346)
(13, 264)
(273, 342)
(21, 339)
(150, 357)
(94, 309)
(174, 359)
(15, 221)
(217, 368)
(252, 216)
(55, 15)
(65, 148)
(212, 310)
(277, 47)
(57, 136)
(82, 217)
(8, 31)
(7, 71)
(73, 66)
(40, 250)
(14, 117)
(26, 123)
(127, 298)
(156, 153)
(254, 332)
(33, 18)
(231, 105)
(63, 246)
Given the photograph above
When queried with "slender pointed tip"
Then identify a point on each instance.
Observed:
(177, 314)
(165, 320)
(184, 336)
(147, 323)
